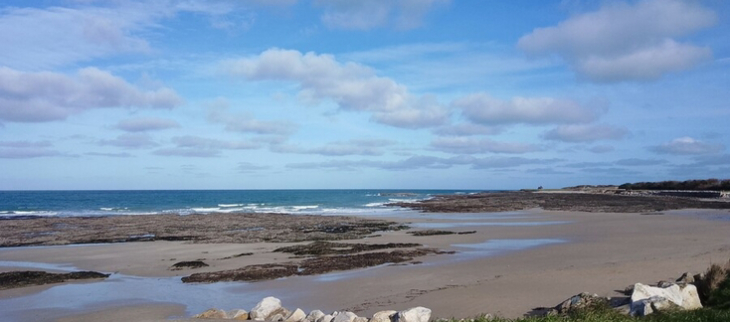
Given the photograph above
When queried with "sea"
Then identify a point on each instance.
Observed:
(186, 202)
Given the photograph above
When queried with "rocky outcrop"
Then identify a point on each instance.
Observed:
(27, 278)
(647, 299)
(270, 309)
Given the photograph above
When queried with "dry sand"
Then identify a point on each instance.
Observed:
(594, 252)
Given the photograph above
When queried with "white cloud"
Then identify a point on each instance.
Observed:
(363, 15)
(196, 142)
(626, 42)
(246, 123)
(47, 96)
(465, 129)
(484, 109)
(27, 153)
(601, 149)
(424, 162)
(339, 148)
(687, 145)
(143, 124)
(44, 38)
(464, 145)
(351, 86)
(586, 133)
(131, 141)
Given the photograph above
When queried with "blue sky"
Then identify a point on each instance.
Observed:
(292, 94)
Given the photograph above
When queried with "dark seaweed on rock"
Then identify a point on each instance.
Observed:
(209, 228)
(584, 202)
(319, 248)
(188, 264)
(27, 278)
(311, 266)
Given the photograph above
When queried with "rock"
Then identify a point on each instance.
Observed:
(686, 279)
(383, 316)
(263, 309)
(652, 304)
(296, 316)
(314, 315)
(283, 312)
(690, 298)
(579, 301)
(623, 309)
(671, 293)
(238, 315)
(277, 317)
(212, 314)
(345, 317)
(416, 314)
(361, 319)
(326, 318)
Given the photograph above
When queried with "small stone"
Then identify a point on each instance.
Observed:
(238, 315)
(264, 308)
(383, 316)
(361, 319)
(212, 314)
(314, 315)
(345, 317)
(416, 314)
(296, 316)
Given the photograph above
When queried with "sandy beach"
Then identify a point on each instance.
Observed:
(516, 261)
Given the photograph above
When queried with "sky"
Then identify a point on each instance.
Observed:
(351, 94)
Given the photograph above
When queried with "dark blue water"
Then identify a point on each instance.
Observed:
(91, 203)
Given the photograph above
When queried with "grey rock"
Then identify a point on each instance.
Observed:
(314, 315)
(212, 314)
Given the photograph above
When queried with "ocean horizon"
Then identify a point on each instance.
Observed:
(185, 202)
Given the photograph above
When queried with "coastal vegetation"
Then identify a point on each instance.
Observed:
(708, 184)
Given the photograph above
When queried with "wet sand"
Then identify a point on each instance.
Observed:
(514, 262)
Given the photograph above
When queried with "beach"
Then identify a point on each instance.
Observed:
(512, 263)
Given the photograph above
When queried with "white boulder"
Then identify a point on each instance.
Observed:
(314, 315)
(416, 314)
(296, 316)
(383, 316)
(345, 317)
(263, 309)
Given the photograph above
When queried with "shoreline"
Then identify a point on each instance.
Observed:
(603, 251)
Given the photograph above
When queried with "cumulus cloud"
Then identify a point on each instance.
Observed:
(26, 149)
(586, 133)
(190, 141)
(110, 155)
(144, 124)
(27, 153)
(466, 129)
(97, 29)
(424, 162)
(351, 86)
(131, 141)
(639, 162)
(624, 41)
(363, 15)
(218, 112)
(687, 145)
(465, 145)
(245, 167)
(339, 148)
(601, 149)
(481, 108)
(25, 144)
(47, 96)
(196, 146)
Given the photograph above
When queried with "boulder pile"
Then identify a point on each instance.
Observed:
(643, 299)
(270, 309)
